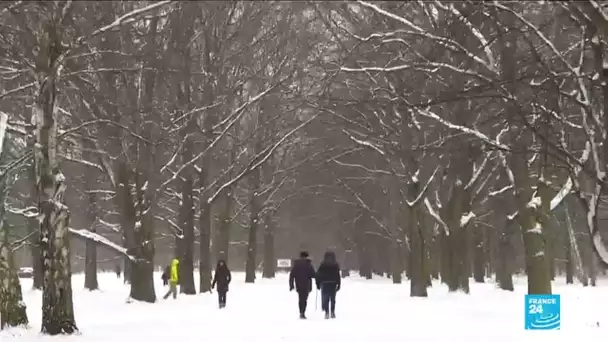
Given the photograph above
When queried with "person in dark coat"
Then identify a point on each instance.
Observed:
(301, 276)
(222, 278)
(329, 281)
(165, 276)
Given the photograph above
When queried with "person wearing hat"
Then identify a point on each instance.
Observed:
(301, 276)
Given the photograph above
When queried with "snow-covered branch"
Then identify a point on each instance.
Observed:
(463, 129)
(260, 158)
(122, 20)
(102, 241)
(436, 216)
(364, 143)
(238, 114)
(423, 191)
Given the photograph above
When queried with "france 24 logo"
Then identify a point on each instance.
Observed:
(543, 312)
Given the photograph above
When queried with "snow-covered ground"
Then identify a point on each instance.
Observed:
(367, 310)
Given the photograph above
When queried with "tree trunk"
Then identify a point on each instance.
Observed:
(456, 241)
(205, 218)
(479, 253)
(205, 249)
(528, 216)
(182, 31)
(396, 242)
(12, 307)
(270, 263)
(225, 222)
(569, 261)
(503, 262)
(418, 268)
(142, 271)
(186, 269)
(592, 269)
(504, 273)
(124, 203)
(90, 273)
(435, 257)
(575, 251)
(32, 222)
(54, 216)
(362, 246)
(254, 213)
(142, 247)
(537, 267)
(549, 234)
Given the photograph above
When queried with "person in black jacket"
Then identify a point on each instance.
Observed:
(301, 275)
(222, 278)
(165, 275)
(329, 282)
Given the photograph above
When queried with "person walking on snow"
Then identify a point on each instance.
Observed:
(329, 282)
(301, 275)
(165, 275)
(173, 279)
(222, 277)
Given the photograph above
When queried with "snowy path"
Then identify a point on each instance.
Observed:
(367, 311)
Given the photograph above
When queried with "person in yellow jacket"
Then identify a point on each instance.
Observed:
(173, 279)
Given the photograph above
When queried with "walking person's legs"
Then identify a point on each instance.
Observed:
(325, 301)
(302, 302)
(172, 290)
(332, 302)
(221, 298)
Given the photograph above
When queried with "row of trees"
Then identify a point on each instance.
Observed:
(440, 139)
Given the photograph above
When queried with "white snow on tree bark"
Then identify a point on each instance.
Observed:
(3, 126)
(498, 192)
(415, 176)
(535, 202)
(466, 218)
(538, 229)
(567, 188)
(436, 216)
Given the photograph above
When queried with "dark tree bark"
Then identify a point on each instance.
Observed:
(270, 262)
(363, 248)
(479, 254)
(54, 216)
(182, 31)
(124, 202)
(529, 217)
(254, 213)
(90, 273)
(205, 218)
(418, 254)
(396, 244)
(569, 260)
(224, 225)
(32, 224)
(12, 308)
(142, 271)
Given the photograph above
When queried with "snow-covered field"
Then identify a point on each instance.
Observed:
(367, 311)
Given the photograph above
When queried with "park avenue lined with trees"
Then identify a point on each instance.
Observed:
(459, 141)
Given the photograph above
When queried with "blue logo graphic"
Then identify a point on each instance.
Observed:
(543, 312)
